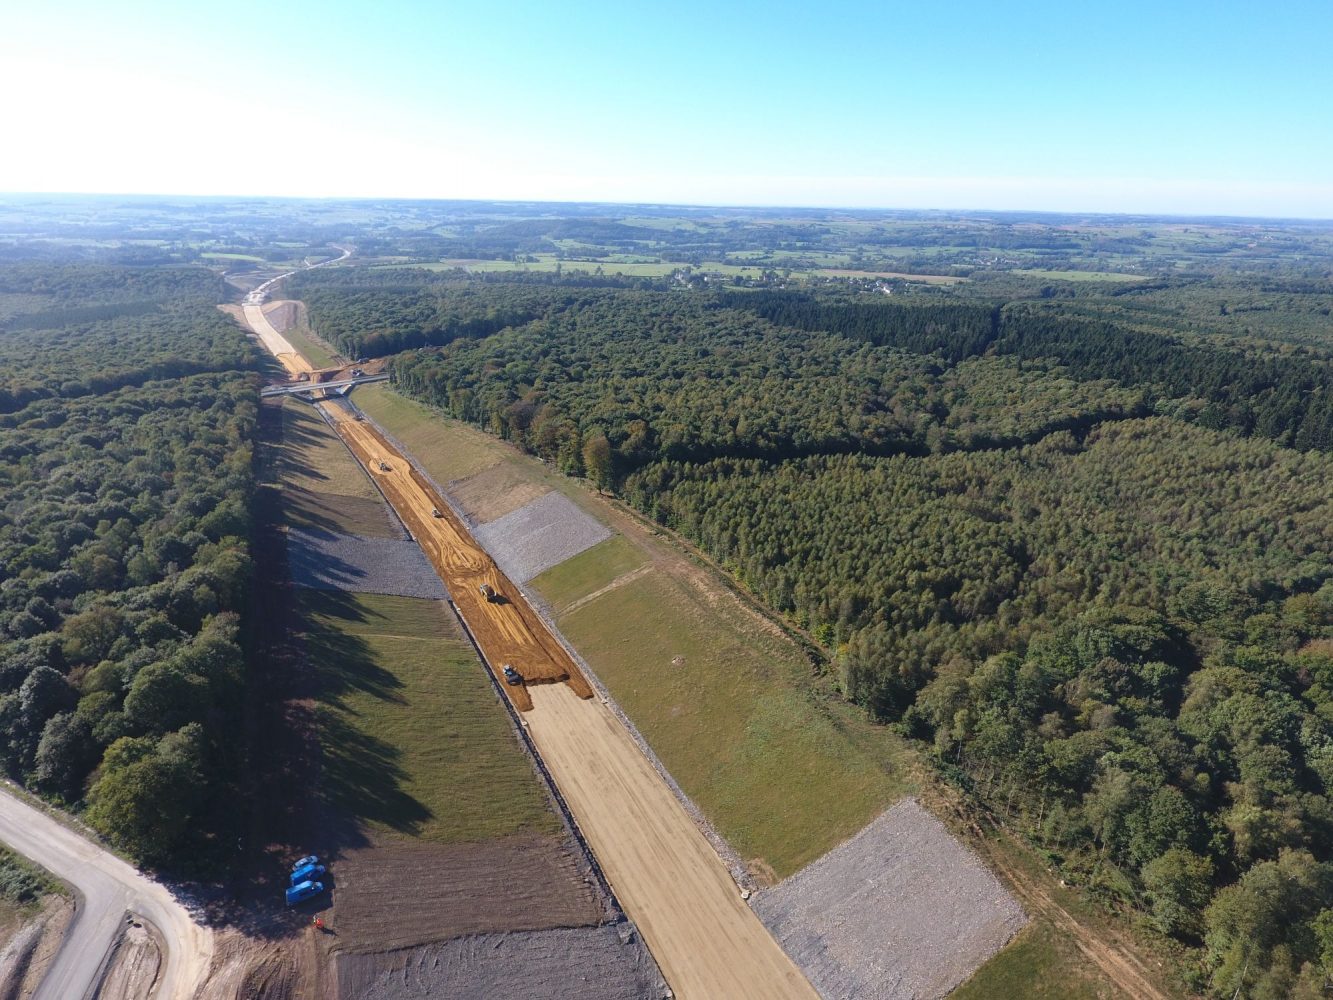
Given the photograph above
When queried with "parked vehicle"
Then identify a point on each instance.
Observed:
(307, 873)
(309, 859)
(300, 893)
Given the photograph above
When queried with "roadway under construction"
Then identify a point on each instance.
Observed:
(667, 877)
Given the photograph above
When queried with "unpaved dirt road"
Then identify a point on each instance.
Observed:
(670, 881)
(108, 889)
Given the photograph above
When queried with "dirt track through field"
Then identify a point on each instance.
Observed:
(670, 881)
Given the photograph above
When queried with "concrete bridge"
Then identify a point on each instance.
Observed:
(306, 390)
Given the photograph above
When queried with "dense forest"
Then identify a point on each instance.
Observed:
(1086, 560)
(124, 561)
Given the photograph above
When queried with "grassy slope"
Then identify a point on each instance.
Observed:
(718, 697)
(323, 486)
(415, 741)
(588, 571)
(314, 350)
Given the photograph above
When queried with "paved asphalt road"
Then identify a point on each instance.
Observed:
(109, 889)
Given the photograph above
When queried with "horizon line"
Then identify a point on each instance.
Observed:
(651, 203)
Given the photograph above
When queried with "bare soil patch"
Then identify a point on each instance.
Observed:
(234, 311)
(495, 492)
(399, 895)
(324, 560)
(135, 964)
(539, 535)
(902, 910)
(31, 947)
(285, 314)
(591, 963)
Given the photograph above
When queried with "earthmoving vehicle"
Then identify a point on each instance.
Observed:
(512, 676)
(435, 512)
(300, 893)
(488, 592)
(384, 467)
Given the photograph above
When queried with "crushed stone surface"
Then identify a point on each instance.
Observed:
(592, 963)
(902, 910)
(541, 534)
(325, 560)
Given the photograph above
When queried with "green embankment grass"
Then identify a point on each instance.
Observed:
(311, 348)
(588, 571)
(445, 454)
(323, 487)
(719, 699)
(1040, 964)
(414, 741)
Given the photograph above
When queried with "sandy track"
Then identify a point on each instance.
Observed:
(278, 345)
(670, 881)
(668, 878)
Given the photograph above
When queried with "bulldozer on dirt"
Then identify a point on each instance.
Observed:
(435, 512)
(384, 467)
(488, 592)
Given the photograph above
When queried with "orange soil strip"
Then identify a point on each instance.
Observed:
(507, 630)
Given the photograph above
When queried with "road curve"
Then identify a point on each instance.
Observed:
(109, 889)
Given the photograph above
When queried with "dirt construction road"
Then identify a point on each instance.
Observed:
(670, 881)
(108, 889)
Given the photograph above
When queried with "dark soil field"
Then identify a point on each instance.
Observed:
(588, 963)
(408, 893)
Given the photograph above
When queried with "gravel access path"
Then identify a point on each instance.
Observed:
(902, 910)
(539, 535)
(324, 560)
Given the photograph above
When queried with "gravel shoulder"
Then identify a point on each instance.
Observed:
(902, 910)
(326, 560)
(539, 535)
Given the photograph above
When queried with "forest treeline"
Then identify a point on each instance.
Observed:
(1087, 563)
(124, 560)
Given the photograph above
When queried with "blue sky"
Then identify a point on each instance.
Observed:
(1185, 107)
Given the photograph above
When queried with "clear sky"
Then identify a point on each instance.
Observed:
(1173, 106)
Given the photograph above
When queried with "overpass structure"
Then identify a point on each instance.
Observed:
(308, 390)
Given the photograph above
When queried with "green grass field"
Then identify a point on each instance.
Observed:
(444, 454)
(311, 348)
(589, 570)
(415, 742)
(1040, 964)
(719, 698)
